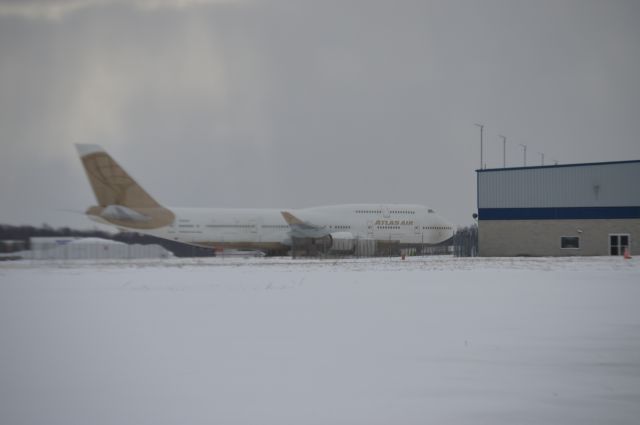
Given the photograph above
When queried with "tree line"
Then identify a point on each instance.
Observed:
(465, 242)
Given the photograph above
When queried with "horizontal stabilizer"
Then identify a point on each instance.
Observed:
(118, 212)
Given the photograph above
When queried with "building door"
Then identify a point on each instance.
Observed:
(618, 243)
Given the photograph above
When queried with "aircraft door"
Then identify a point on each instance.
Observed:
(370, 225)
(253, 226)
(255, 230)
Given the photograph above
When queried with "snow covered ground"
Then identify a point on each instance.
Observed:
(275, 341)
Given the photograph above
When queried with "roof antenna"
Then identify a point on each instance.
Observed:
(524, 147)
(481, 128)
(504, 151)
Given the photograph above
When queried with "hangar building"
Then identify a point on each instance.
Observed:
(559, 210)
(70, 248)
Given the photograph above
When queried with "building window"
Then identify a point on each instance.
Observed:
(570, 242)
(618, 244)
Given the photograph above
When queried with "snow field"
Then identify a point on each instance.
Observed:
(264, 341)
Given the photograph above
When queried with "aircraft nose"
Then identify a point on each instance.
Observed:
(449, 228)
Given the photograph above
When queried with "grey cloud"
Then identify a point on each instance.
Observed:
(298, 103)
(58, 9)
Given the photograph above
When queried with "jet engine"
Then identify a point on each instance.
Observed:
(341, 241)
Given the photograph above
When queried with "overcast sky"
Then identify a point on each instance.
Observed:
(301, 103)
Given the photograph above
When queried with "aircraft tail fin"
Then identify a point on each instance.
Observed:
(121, 200)
(303, 229)
(110, 183)
(291, 219)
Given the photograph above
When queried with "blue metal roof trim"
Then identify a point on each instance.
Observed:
(585, 164)
(570, 213)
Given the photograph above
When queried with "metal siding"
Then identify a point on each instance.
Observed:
(565, 213)
(561, 187)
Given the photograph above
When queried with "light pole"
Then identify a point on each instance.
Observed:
(504, 151)
(481, 128)
(524, 148)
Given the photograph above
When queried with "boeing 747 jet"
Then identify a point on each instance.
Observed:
(123, 203)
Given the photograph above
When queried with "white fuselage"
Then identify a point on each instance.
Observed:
(266, 228)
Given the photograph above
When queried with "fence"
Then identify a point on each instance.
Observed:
(465, 242)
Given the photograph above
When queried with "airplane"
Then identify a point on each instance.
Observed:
(123, 203)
